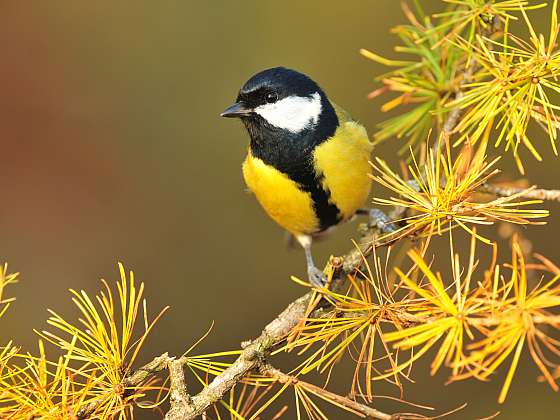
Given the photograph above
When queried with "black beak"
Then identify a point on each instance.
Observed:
(237, 110)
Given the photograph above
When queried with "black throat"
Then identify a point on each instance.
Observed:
(292, 154)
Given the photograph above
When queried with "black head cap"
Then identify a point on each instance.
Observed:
(284, 134)
(275, 84)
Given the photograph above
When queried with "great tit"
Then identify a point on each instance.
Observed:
(308, 160)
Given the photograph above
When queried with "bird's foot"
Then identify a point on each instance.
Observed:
(380, 220)
(316, 277)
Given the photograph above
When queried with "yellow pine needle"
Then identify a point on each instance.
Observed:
(440, 314)
(446, 196)
(353, 326)
(99, 352)
(304, 394)
(506, 313)
(382, 60)
(514, 315)
(45, 389)
(211, 363)
(270, 401)
(426, 82)
(512, 87)
(6, 279)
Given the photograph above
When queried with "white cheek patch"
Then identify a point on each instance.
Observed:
(294, 113)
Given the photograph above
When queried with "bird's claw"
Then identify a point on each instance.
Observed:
(316, 277)
(380, 220)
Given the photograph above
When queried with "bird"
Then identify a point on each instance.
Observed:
(308, 159)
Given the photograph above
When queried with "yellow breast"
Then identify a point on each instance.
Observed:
(280, 197)
(344, 162)
(341, 164)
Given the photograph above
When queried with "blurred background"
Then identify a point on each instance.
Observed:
(112, 150)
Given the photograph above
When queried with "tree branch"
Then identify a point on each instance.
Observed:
(537, 194)
(249, 359)
(135, 379)
(179, 399)
(363, 409)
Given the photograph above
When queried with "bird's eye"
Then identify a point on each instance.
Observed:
(271, 97)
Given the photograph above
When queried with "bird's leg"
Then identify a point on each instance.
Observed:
(379, 219)
(316, 277)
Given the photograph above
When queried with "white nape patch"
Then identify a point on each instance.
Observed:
(293, 113)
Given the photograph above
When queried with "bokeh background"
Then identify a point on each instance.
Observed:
(112, 150)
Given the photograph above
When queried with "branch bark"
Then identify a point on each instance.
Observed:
(136, 378)
(537, 194)
(180, 401)
(250, 358)
(365, 410)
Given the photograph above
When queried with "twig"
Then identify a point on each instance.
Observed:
(135, 379)
(179, 399)
(452, 119)
(141, 374)
(365, 410)
(249, 359)
(537, 194)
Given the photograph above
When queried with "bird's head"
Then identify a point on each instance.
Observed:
(280, 105)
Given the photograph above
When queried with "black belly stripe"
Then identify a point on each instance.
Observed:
(300, 169)
(326, 211)
(292, 154)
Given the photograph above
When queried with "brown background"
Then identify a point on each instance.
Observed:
(112, 150)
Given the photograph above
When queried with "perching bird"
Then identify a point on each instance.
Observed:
(308, 160)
